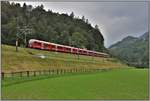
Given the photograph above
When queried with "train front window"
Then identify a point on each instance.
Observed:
(37, 43)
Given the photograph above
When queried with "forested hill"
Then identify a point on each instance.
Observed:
(66, 29)
(133, 50)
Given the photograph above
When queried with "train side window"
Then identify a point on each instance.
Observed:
(59, 47)
(45, 45)
(68, 49)
(39, 43)
(53, 47)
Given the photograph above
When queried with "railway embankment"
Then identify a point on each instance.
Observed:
(32, 59)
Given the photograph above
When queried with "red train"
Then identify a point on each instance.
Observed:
(38, 44)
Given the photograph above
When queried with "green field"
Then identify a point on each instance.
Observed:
(114, 84)
(26, 59)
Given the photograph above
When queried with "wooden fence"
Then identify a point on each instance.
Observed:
(47, 72)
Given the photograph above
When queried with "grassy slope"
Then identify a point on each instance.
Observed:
(115, 84)
(22, 60)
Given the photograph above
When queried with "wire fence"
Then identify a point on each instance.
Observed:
(48, 72)
(12, 78)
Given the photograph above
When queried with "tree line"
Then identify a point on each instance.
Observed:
(66, 29)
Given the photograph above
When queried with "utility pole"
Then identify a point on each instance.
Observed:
(78, 50)
(16, 44)
(25, 30)
(22, 31)
(25, 40)
(92, 56)
(17, 35)
(78, 53)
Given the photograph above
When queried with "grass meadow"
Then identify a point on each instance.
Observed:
(113, 84)
(26, 59)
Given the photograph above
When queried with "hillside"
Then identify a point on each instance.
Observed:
(132, 50)
(66, 29)
(32, 59)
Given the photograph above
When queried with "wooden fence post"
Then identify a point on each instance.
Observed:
(49, 71)
(34, 73)
(28, 74)
(2, 74)
(53, 71)
(56, 71)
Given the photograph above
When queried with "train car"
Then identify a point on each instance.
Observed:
(74, 50)
(38, 44)
(33, 43)
(67, 49)
(60, 48)
(84, 52)
(90, 53)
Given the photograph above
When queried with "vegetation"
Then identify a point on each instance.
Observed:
(48, 26)
(29, 59)
(133, 51)
(116, 84)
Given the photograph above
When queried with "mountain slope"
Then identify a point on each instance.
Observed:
(132, 50)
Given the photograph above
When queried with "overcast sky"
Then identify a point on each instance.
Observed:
(116, 20)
